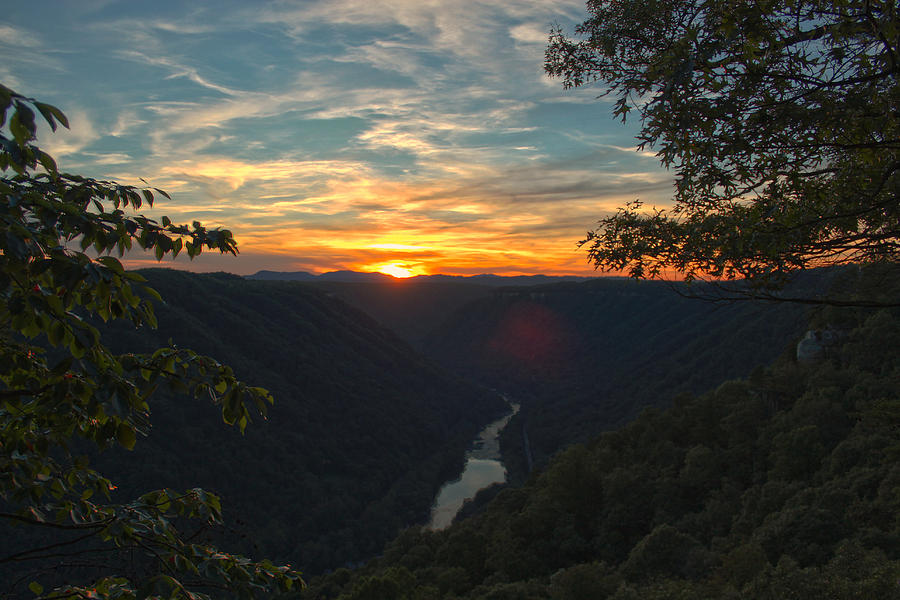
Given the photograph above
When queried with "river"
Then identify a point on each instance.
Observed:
(483, 468)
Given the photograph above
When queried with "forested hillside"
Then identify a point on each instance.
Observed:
(413, 307)
(583, 358)
(361, 435)
(410, 308)
(781, 485)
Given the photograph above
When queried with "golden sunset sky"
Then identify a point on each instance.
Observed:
(402, 136)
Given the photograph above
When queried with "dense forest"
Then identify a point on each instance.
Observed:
(665, 447)
(758, 486)
(779, 485)
(582, 358)
(361, 435)
(364, 429)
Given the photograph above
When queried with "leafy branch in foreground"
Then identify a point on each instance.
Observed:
(60, 387)
(779, 119)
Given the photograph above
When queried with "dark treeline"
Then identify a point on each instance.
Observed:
(783, 484)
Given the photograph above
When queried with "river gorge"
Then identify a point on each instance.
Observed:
(483, 468)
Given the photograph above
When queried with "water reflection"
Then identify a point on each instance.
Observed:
(483, 468)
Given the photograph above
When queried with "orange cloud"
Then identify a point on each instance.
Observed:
(322, 215)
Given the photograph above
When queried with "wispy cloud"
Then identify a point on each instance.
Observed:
(17, 36)
(176, 70)
(81, 133)
(344, 134)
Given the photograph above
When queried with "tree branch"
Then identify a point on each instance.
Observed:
(69, 527)
(20, 556)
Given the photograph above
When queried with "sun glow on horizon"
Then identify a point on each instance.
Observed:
(398, 270)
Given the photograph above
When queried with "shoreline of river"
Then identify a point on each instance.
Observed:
(483, 468)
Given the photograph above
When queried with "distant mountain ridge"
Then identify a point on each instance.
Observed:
(307, 276)
(488, 279)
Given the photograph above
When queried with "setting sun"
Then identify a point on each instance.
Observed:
(395, 270)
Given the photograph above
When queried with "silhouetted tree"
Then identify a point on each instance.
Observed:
(61, 388)
(779, 119)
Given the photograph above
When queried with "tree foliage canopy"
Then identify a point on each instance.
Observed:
(62, 389)
(779, 118)
(781, 485)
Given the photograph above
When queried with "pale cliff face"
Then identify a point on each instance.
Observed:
(816, 344)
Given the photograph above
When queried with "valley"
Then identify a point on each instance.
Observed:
(365, 429)
(369, 437)
(362, 434)
(544, 300)
(782, 483)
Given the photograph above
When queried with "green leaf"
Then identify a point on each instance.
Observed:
(112, 263)
(53, 112)
(56, 334)
(20, 132)
(36, 588)
(125, 436)
(48, 163)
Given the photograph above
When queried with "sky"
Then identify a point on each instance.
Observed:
(402, 136)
